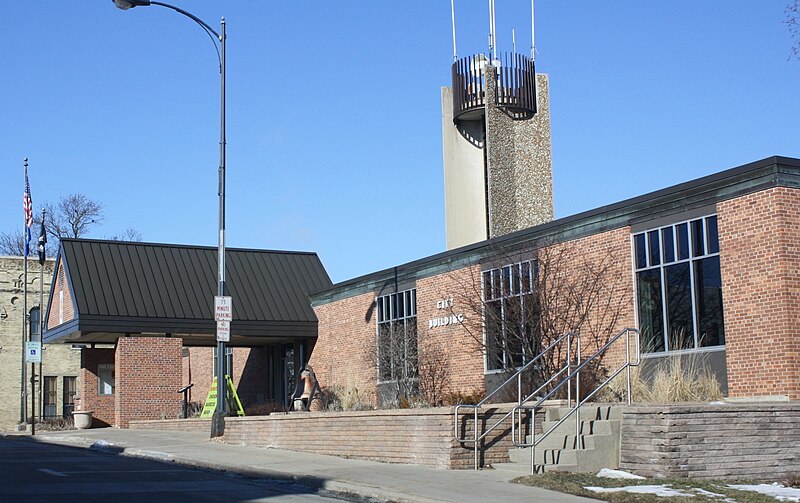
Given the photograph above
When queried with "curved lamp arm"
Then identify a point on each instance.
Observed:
(215, 37)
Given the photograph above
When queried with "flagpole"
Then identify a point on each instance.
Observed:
(23, 408)
(42, 256)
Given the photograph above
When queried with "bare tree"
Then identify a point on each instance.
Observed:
(793, 23)
(12, 244)
(130, 234)
(72, 216)
(528, 301)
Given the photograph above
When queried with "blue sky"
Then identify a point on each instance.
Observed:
(334, 125)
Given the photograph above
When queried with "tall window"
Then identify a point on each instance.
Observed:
(69, 391)
(510, 315)
(35, 320)
(679, 286)
(397, 336)
(50, 396)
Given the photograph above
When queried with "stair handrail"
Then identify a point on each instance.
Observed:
(578, 401)
(520, 400)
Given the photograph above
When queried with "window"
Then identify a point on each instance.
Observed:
(510, 315)
(69, 391)
(679, 286)
(50, 396)
(35, 321)
(228, 361)
(397, 336)
(105, 379)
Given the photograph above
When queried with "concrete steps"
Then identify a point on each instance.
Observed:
(595, 446)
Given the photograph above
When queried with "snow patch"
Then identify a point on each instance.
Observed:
(657, 490)
(100, 445)
(777, 491)
(608, 473)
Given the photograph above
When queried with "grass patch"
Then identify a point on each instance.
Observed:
(576, 483)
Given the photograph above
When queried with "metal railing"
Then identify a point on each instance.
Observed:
(522, 406)
(515, 85)
(573, 371)
(475, 440)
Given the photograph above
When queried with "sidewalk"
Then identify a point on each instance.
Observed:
(366, 480)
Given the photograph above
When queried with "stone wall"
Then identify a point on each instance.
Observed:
(758, 441)
(58, 361)
(520, 172)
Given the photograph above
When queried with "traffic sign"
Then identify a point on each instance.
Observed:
(223, 331)
(33, 352)
(223, 308)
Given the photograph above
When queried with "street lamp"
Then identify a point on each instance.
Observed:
(218, 421)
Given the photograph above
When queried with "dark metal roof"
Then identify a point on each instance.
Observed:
(773, 171)
(121, 287)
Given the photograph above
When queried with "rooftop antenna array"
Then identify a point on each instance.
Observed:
(493, 32)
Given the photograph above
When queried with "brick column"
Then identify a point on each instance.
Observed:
(148, 377)
(760, 260)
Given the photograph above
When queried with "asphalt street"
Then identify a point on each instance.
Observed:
(32, 472)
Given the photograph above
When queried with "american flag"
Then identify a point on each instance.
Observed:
(27, 206)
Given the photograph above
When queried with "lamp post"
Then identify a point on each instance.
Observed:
(218, 420)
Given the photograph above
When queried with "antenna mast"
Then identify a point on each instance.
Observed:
(492, 28)
(533, 33)
(453, 18)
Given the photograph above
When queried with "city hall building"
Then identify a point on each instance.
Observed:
(706, 270)
(709, 268)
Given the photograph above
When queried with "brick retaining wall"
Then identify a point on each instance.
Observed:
(198, 425)
(416, 436)
(754, 441)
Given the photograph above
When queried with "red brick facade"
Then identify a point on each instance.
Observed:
(249, 375)
(61, 308)
(345, 342)
(460, 342)
(88, 386)
(347, 327)
(148, 376)
(760, 259)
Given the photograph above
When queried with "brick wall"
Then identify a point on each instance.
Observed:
(62, 309)
(346, 337)
(461, 343)
(57, 360)
(599, 264)
(592, 279)
(148, 376)
(90, 399)
(760, 441)
(249, 376)
(760, 260)
(196, 425)
(416, 436)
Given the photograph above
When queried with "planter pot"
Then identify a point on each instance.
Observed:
(82, 419)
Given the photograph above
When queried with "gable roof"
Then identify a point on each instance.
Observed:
(123, 287)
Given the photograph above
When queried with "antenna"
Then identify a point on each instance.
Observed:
(453, 18)
(514, 40)
(492, 27)
(533, 33)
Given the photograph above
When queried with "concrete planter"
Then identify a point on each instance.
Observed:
(82, 419)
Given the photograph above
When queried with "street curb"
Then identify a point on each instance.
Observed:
(335, 488)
